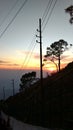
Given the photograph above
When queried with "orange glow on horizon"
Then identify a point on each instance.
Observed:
(33, 64)
(49, 67)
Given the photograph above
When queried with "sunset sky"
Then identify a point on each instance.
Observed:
(18, 47)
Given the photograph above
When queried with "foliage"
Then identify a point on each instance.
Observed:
(26, 79)
(70, 11)
(58, 102)
(55, 51)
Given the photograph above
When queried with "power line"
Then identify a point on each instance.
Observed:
(46, 11)
(31, 54)
(3, 93)
(27, 59)
(13, 18)
(29, 48)
(49, 15)
(9, 13)
(28, 56)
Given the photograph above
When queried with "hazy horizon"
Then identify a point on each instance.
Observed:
(6, 77)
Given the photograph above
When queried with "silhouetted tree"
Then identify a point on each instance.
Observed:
(55, 50)
(26, 79)
(70, 11)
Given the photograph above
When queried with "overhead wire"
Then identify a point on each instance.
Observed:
(12, 21)
(28, 56)
(13, 18)
(43, 18)
(29, 53)
(27, 60)
(46, 11)
(12, 8)
(50, 14)
(48, 8)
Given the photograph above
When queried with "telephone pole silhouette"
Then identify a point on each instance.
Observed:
(41, 71)
(3, 93)
(40, 42)
(13, 87)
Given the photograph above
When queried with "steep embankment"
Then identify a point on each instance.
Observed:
(57, 101)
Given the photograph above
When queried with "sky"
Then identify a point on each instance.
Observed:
(19, 21)
(18, 47)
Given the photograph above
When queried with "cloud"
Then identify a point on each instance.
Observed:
(16, 64)
(7, 63)
(22, 52)
(3, 62)
(36, 56)
(65, 57)
(12, 64)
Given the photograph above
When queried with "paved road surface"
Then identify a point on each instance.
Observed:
(18, 125)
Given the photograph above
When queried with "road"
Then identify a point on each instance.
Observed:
(18, 125)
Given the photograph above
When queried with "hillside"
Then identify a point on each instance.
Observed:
(57, 102)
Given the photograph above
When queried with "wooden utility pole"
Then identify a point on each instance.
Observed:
(13, 87)
(3, 93)
(41, 72)
(40, 42)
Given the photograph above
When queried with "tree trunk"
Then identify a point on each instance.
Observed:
(59, 63)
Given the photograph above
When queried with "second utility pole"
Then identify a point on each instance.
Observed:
(13, 87)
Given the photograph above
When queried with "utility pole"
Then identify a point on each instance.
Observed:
(40, 42)
(41, 72)
(13, 87)
(3, 93)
